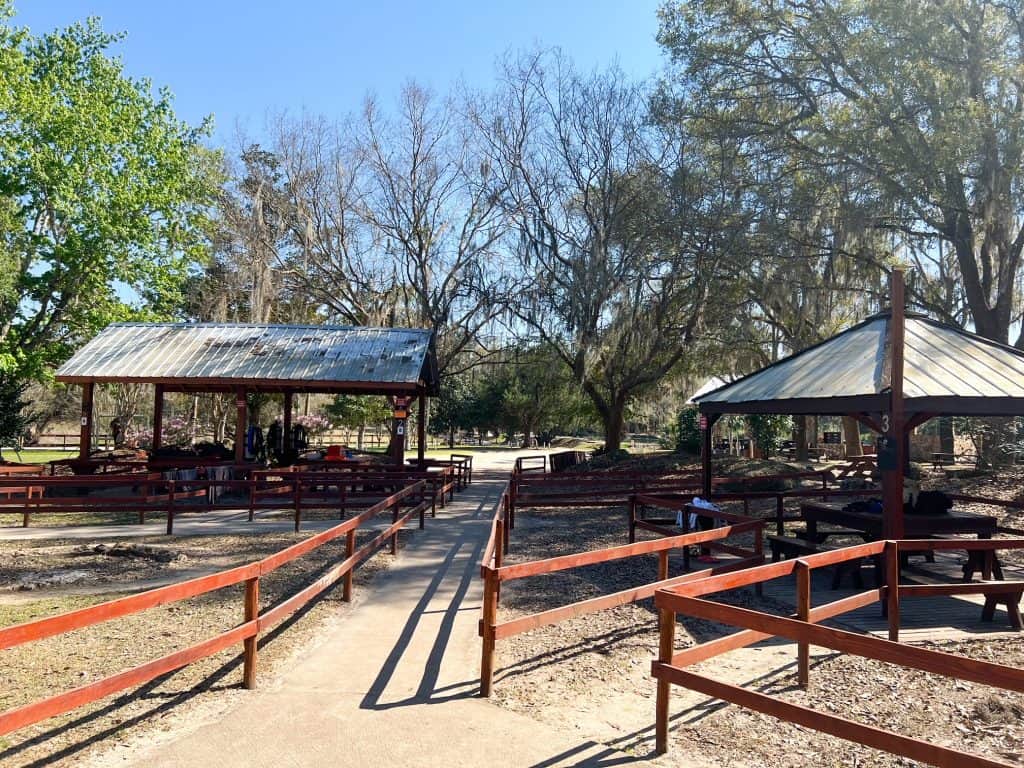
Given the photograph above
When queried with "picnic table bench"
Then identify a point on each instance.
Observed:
(809, 544)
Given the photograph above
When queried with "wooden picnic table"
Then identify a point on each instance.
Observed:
(915, 526)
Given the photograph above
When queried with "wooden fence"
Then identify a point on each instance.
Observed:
(494, 572)
(247, 632)
(670, 667)
(144, 493)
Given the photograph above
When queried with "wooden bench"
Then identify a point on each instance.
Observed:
(792, 546)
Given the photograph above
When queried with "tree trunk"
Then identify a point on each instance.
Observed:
(800, 437)
(451, 437)
(851, 436)
(947, 441)
(359, 437)
(614, 424)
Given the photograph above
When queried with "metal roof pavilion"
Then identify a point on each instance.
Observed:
(945, 370)
(223, 356)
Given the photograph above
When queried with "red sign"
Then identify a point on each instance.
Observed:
(703, 421)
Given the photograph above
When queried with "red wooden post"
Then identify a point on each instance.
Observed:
(289, 442)
(252, 611)
(421, 429)
(666, 647)
(170, 509)
(350, 549)
(803, 611)
(632, 519)
(85, 435)
(240, 418)
(158, 417)
(663, 565)
(487, 627)
(892, 582)
(394, 536)
(892, 479)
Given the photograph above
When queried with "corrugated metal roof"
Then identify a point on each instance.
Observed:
(940, 361)
(239, 353)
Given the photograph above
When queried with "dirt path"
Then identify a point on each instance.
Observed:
(395, 683)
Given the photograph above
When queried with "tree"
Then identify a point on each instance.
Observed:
(358, 412)
(13, 420)
(100, 186)
(922, 101)
(621, 227)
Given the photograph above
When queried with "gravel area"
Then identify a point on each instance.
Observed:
(592, 673)
(34, 670)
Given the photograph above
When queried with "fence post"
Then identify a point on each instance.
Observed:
(666, 647)
(252, 612)
(297, 497)
(632, 519)
(170, 509)
(341, 500)
(759, 554)
(780, 525)
(663, 565)
(350, 549)
(803, 611)
(419, 503)
(252, 496)
(487, 629)
(892, 583)
(394, 536)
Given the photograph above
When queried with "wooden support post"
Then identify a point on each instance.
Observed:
(350, 549)
(892, 587)
(803, 612)
(780, 508)
(252, 612)
(487, 627)
(170, 508)
(892, 479)
(705, 454)
(632, 519)
(85, 434)
(394, 536)
(240, 419)
(666, 647)
(289, 441)
(759, 554)
(158, 417)
(297, 501)
(421, 430)
(663, 565)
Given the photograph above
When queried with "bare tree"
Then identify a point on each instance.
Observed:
(613, 219)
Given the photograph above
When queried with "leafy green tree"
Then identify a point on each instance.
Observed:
(769, 430)
(688, 437)
(102, 189)
(13, 419)
(913, 107)
(358, 412)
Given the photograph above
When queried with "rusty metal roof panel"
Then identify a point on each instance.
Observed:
(305, 354)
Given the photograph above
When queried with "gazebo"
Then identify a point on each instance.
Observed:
(892, 372)
(246, 358)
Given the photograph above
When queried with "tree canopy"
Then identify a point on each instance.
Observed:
(103, 194)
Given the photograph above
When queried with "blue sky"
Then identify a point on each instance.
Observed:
(240, 60)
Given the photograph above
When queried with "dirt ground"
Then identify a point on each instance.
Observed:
(39, 578)
(593, 673)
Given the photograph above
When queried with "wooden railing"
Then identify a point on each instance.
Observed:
(143, 493)
(253, 621)
(670, 667)
(494, 572)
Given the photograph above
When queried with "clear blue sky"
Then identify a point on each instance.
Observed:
(239, 60)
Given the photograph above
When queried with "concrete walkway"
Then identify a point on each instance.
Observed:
(396, 682)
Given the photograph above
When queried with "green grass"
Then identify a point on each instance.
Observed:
(38, 455)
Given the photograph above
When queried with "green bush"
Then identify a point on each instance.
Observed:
(769, 430)
(688, 436)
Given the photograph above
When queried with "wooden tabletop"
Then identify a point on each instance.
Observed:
(915, 526)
